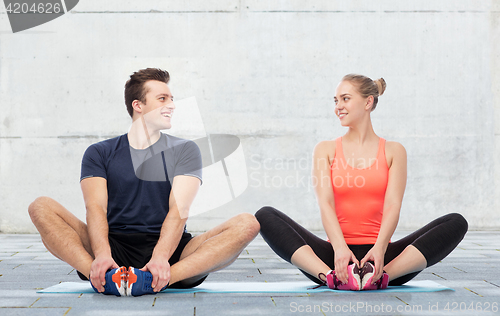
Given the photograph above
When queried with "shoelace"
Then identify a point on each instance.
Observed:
(361, 275)
(323, 283)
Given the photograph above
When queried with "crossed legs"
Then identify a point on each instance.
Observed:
(62, 233)
(214, 249)
(404, 259)
(66, 237)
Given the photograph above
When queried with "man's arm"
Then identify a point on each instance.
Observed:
(95, 195)
(184, 189)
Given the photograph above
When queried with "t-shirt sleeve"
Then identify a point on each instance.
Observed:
(189, 162)
(93, 163)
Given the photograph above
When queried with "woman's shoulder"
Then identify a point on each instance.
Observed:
(394, 150)
(325, 150)
(394, 147)
(325, 146)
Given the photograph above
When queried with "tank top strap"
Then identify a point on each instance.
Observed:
(381, 150)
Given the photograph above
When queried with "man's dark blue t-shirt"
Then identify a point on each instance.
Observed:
(139, 180)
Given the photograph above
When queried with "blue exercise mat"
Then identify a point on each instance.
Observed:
(258, 287)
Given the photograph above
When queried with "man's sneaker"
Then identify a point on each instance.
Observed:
(367, 272)
(353, 281)
(116, 282)
(139, 282)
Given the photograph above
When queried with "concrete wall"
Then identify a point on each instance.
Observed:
(267, 73)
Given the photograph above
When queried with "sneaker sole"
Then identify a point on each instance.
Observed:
(118, 282)
(384, 280)
(367, 278)
(366, 283)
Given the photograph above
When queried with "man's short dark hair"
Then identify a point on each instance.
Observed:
(134, 88)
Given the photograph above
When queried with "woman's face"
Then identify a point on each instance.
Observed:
(350, 106)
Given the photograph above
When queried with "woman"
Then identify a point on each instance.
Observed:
(359, 181)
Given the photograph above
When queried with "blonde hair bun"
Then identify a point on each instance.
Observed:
(367, 87)
(380, 85)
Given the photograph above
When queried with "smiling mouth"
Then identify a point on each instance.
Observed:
(167, 115)
(342, 115)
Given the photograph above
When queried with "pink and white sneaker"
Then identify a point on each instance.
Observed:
(353, 281)
(367, 273)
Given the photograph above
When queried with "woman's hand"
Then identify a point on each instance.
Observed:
(376, 254)
(343, 257)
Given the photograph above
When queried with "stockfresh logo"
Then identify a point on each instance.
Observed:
(27, 14)
(224, 169)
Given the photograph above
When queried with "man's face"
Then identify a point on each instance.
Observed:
(159, 106)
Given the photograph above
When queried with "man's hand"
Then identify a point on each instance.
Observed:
(376, 254)
(98, 271)
(160, 269)
(342, 258)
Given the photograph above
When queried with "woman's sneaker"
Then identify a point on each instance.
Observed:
(353, 281)
(139, 282)
(367, 272)
(116, 282)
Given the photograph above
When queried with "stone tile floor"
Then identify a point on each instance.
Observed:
(472, 270)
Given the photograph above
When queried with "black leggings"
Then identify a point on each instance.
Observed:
(435, 240)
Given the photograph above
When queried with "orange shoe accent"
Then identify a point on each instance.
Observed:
(132, 278)
(120, 275)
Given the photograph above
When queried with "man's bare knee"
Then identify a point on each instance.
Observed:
(38, 206)
(248, 226)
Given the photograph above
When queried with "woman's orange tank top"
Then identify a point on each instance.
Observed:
(359, 195)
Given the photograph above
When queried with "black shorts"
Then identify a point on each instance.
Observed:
(135, 250)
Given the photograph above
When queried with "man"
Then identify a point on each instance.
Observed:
(138, 189)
